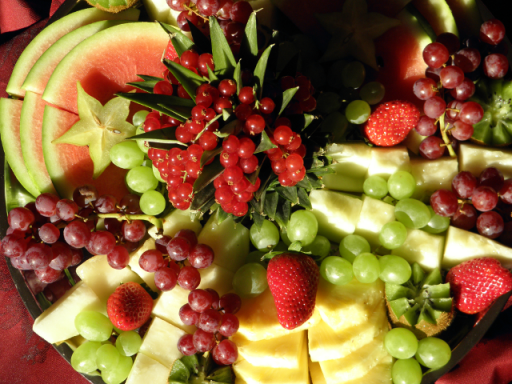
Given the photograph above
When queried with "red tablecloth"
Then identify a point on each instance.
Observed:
(27, 359)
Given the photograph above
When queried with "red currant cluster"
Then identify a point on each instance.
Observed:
(215, 320)
(303, 100)
(479, 203)
(155, 121)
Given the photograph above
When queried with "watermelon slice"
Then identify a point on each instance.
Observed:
(70, 166)
(51, 34)
(106, 61)
(10, 113)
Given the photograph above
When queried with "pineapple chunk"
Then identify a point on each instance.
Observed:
(462, 245)
(431, 175)
(247, 373)
(281, 352)
(57, 323)
(423, 248)
(370, 223)
(475, 158)
(342, 307)
(160, 342)
(102, 278)
(229, 241)
(258, 320)
(168, 305)
(386, 161)
(380, 374)
(148, 277)
(217, 278)
(337, 213)
(327, 344)
(176, 220)
(357, 364)
(315, 372)
(147, 370)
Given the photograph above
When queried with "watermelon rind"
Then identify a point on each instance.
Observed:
(50, 35)
(10, 113)
(41, 71)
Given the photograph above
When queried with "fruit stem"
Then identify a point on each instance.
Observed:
(120, 217)
(70, 278)
(445, 136)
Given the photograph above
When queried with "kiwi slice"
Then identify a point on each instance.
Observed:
(113, 6)
(200, 369)
(422, 304)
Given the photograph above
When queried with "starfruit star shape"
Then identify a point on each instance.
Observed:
(100, 128)
(353, 32)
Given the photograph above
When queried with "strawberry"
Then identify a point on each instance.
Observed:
(476, 283)
(293, 281)
(129, 307)
(391, 122)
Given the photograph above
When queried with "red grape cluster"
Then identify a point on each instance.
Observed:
(215, 320)
(475, 201)
(303, 100)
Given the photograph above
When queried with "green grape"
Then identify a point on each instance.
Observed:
(255, 257)
(107, 356)
(126, 155)
(366, 268)
(93, 326)
(406, 371)
(250, 280)
(152, 203)
(139, 117)
(401, 185)
(334, 74)
(392, 235)
(433, 352)
(336, 270)
(284, 236)
(265, 237)
(353, 74)
(157, 174)
(143, 145)
(83, 359)
(321, 246)
(119, 373)
(376, 187)
(353, 245)
(437, 224)
(394, 269)
(303, 227)
(141, 179)
(128, 343)
(412, 213)
(401, 343)
(358, 111)
(373, 92)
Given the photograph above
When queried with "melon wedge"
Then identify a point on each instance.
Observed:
(42, 70)
(50, 35)
(10, 113)
(423, 248)
(370, 224)
(106, 61)
(475, 158)
(438, 15)
(386, 161)
(432, 175)
(147, 370)
(70, 166)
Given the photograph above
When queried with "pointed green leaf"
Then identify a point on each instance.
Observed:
(283, 213)
(286, 98)
(162, 103)
(316, 183)
(270, 205)
(259, 71)
(204, 198)
(289, 193)
(265, 143)
(188, 79)
(208, 155)
(148, 84)
(295, 246)
(222, 55)
(179, 373)
(191, 363)
(179, 113)
(221, 215)
(258, 219)
(304, 198)
(165, 135)
(237, 76)
(249, 47)
(207, 125)
(202, 44)
(209, 173)
(222, 375)
(211, 75)
(227, 113)
(305, 183)
(321, 171)
(180, 42)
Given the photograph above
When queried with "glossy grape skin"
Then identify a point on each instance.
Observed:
(394, 269)
(303, 227)
(352, 245)
(264, 237)
(376, 187)
(141, 179)
(433, 352)
(366, 268)
(93, 326)
(320, 246)
(107, 357)
(401, 343)
(83, 359)
(119, 373)
(336, 270)
(401, 185)
(128, 343)
(406, 371)
(412, 213)
(126, 155)
(392, 235)
(250, 280)
(152, 203)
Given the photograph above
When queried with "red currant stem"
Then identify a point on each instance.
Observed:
(445, 137)
(70, 278)
(120, 217)
(43, 301)
(84, 219)
(205, 19)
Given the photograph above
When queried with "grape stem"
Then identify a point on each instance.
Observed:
(70, 278)
(445, 136)
(120, 217)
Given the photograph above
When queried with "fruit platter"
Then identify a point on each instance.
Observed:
(261, 191)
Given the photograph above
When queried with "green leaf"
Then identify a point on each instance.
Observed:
(208, 155)
(204, 198)
(148, 84)
(180, 42)
(222, 375)
(305, 183)
(207, 125)
(265, 143)
(211, 75)
(237, 76)
(259, 71)
(283, 213)
(321, 171)
(295, 246)
(232, 128)
(179, 373)
(179, 113)
(221, 215)
(287, 97)
(258, 219)
(209, 173)
(183, 107)
(191, 362)
(222, 55)
(289, 193)
(249, 47)
(165, 135)
(304, 198)
(270, 205)
(226, 114)
(188, 79)
(202, 43)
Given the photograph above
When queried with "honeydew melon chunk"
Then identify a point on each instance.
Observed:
(337, 213)
(280, 352)
(432, 175)
(216, 277)
(413, 141)
(49, 35)
(168, 305)
(251, 374)
(161, 342)
(229, 241)
(148, 277)
(10, 113)
(374, 215)
(423, 248)
(102, 278)
(175, 221)
(57, 323)
(386, 161)
(147, 370)
(475, 158)
(258, 319)
(315, 372)
(463, 245)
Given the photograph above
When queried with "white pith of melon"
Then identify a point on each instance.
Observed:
(160, 342)
(432, 175)
(423, 248)
(50, 35)
(337, 213)
(463, 245)
(146, 370)
(148, 277)
(102, 278)
(386, 161)
(57, 323)
(475, 158)
(374, 215)
(167, 307)
(175, 221)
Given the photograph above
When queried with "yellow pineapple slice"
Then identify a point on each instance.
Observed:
(315, 372)
(147, 370)
(380, 374)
